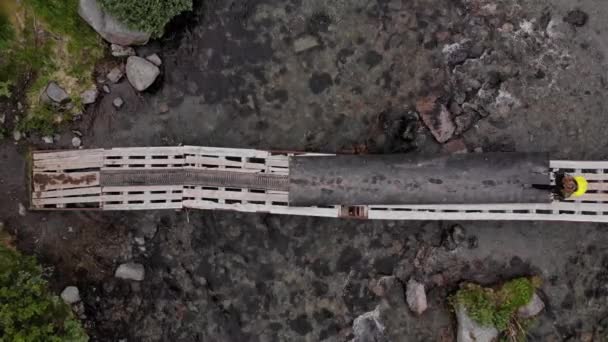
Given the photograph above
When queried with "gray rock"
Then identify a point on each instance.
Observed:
(22, 210)
(163, 108)
(55, 93)
(369, 328)
(470, 331)
(118, 102)
(416, 297)
(437, 118)
(141, 73)
(89, 96)
(155, 59)
(533, 308)
(70, 295)
(106, 89)
(130, 271)
(76, 141)
(140, 240)
(2, 118)
(109, 27)
(305, 43)
(576, 18)
(122, 51)
(114, 75)
(48, 139)
(16, 135)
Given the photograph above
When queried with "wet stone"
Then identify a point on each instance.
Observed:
(320, 82)
(576, 18)
(305, 43)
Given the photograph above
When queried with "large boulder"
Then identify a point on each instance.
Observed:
(109, 27)
(141, 72)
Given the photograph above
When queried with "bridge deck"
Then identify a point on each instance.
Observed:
(78, 179)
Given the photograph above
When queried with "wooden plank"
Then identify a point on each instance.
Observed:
(394, 215)
(53, 181)
(147, 161)
(568, 206)
(43, 155)
(591, 176)
(227, 152)
(578, 164)
(273, 209)
(144, 151)
(171, 188)
(224, 162)
(598, 186)
(278, 161)
(69, 192)
(66, 200)
(144, 206)
(597, 197)
(67, 162)
(146, 197)
(233, 195)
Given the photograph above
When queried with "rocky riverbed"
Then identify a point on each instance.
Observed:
(366, 76)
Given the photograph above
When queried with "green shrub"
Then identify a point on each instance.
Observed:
(28, 312)
(146, 15)
(498, 307)
(7, 34)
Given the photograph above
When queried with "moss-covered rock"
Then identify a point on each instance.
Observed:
(497, 307)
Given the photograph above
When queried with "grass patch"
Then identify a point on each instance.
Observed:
(7, 33)
(146, 15)
(498, 307)
(51, 42)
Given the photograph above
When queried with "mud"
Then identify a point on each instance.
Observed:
(511, 75)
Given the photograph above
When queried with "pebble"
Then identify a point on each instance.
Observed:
(163, 108)
(122, 51)
(305, 43)
(48, 139)
(22, 210)
(89, 96)
(16, 135)
(130, 271)
(114, 75)
(155, 59)
(70, 295)
(455, 146)
(76, 141)
(2, 118)
(416, 297)
(139, 240)
(106, 89)
(118, 102)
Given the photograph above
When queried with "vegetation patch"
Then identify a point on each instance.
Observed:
(28, 311)
(498, 306)
(49, 42)
(146, 15)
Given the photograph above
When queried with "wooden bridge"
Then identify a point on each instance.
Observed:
(247, 180)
